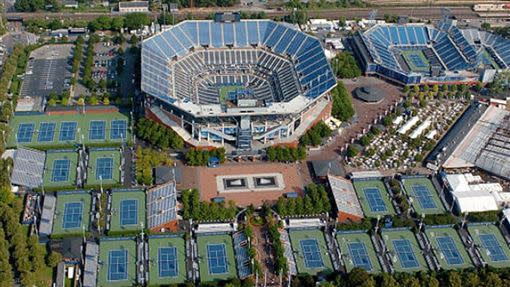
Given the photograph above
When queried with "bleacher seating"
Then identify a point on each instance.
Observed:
(242, 256)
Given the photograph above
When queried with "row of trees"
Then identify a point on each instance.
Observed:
(315, 135)
(77, 54)
(195, 209)
(34, 5)
(285, 153)
(131, 21)
(281, 266)
(158, 135)
(342, 103)
(315, 201)
(146, 160)
(88, 63)
(198, 157)
(345, 66)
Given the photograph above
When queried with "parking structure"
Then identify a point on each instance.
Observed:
(72, 213)
(117, 262)
(374, 197)
(310, 251)
(60, 169)
(404, 251)
(491, 244)
(357, 250)
(104, 167)
(127, 210)
(216, 257)
(424, 195)
(448, 247)
(167, 259)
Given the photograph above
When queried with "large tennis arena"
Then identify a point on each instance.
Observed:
(245, 84)
(420, 53)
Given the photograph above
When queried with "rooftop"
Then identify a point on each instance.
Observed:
(345, 197)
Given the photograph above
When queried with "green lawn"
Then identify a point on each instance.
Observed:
(477, 230)
(361, 185)
(93, 178)
(59, 181)
(66, 197)
(346, 238)
(105, 246)
(129, 194)
(160, 241)
(202, 241)
(410, 185)
(82, 129)
(390, 236)
(433, 233)
(297, 238)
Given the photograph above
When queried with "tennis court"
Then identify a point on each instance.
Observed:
(66, 130)
(357, 251)
(416, 60)
(117, 262)
(72, 213)
(216, 257)
(404, 249)
(104, 167)
(167, 257)
(425, 197)
(374, 198)
(492, 245)
(310, 251)
(128, 210)
(448, 247)
(60, 168)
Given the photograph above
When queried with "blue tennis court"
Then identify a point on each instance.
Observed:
(60, 170)
(417, 61)
(46, 132)
(217, 259)
(491, 243)
(359, 255)
(375, 200)
(311, 253)
(67, 131)
(405, 253)
(104, 168)
(25, 132)
(118, 129)
(449, 249)
(128, 212)
(424, 196)
(117, 265)
(97, 130)
(73, 213)
(167, 261)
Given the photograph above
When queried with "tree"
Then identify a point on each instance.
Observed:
(53, 259)
(454, 279)
(471, 279)
(486, 26)
(345, 66)
(387, 280)
(137, 20)
(359, 277)
(492, 279)
(342, 108)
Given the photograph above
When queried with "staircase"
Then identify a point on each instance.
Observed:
(244, 135)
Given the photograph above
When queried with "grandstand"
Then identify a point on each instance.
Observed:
(241, 83)
(419, 53)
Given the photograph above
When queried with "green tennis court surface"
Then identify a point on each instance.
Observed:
(425, 197)
(416, 60)
(167, 259)
(72, 213)
(104, 167)
(448, 247)
(492, 245)
(358, 251)
(216, 257)
(60, 168)
(405, 252)
(310, 251)
(373, 197)
(117, 262)
(128, 210)
(66, 130)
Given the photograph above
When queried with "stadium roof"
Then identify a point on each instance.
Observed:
(346, 200)
(28, 167)
(161, 205)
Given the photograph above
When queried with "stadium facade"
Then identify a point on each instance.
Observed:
(420, 53)
(245, 83)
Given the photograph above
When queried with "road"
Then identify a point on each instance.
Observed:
(418, 12)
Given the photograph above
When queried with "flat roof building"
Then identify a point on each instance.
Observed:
(346, 201)
(133, 6)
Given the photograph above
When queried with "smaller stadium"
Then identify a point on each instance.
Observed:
(448, 247)
(373, 197)
(72, 213)
(417, 53)
(60, 168)
(491, 244)
(127, 210)
(216, 257)
(357, 251)
(310, 251)
(425, 199)
(404, 250)
(167, 259)
(104, 167)
(117, 262)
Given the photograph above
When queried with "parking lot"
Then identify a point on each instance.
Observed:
(105, 65)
